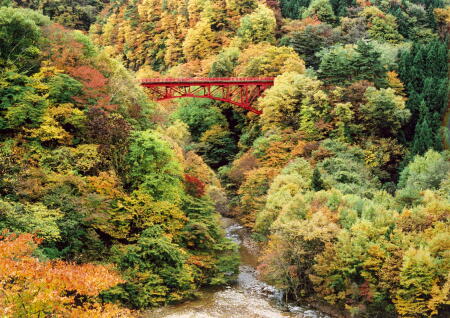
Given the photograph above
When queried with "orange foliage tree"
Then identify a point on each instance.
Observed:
(30, 288)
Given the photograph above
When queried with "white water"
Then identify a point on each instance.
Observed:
(248, 298)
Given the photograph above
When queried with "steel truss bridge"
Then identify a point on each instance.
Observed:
(239, 91)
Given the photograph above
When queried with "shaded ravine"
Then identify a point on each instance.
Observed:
(248, 298)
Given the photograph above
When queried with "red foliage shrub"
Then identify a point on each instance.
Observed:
(94, 86)
(68, 53)
(194, 186)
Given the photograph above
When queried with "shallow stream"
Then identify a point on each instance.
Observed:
(248, 298)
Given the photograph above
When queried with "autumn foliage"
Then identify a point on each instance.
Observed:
(194, 186)
(34, 288)
(343, 179)
(87, 178)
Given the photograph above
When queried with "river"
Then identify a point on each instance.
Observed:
(248, 298)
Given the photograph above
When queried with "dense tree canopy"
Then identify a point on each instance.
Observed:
(343, 180)
(90, 176)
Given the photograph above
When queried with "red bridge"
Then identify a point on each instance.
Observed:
(239, 91)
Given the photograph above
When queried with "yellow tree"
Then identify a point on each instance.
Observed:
(267, 60)
(382, 26)
(200, 42)
(294, 101)
(258, 26)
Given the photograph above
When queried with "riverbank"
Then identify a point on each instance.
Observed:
(248, 298)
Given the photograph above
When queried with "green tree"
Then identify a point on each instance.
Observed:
(347, 64)
(346, 169)
(423, 69)
(77, 15)
(153, 166)
(367, 64)
(225, 63)
(382, 26)
(425, 172)
(20, 36)
(310, 40)
(293, 9)
(424, 138)
(156, 272)
(316, 181)
(63, 88)
(384, 113)
(20, 103)
(283, 103)
(336, 65)
(341, 7)
(31, 218)
(198, 115)
(217, 146)
(202, 235)
(321, 9)
(293, 180)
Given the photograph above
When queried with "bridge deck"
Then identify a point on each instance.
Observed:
(207, 81)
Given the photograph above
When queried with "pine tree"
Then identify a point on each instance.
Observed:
(340, 6)
(336, 66)
(423, 70)
(367, 64)
(311, 40)
(316, 180)
(423, 136)
(293, 8)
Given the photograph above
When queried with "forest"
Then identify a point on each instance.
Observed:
(110, 202)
